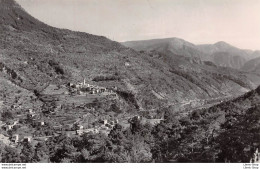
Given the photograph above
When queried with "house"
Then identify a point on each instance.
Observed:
(79, 132)
(109, 125)
(93, 92)
(27, 139)
(15, 122)
(41, 123)
(104, 122)
(102, 90)
(80, 127)
(15, 138)
(31, 113)
(8, 127)
(104, 128)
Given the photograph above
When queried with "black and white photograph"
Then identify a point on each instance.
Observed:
(130, 81)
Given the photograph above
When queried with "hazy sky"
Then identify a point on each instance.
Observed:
(198, 21)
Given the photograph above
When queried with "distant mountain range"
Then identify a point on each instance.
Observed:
(220, 53)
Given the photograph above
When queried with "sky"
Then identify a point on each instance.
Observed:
(198, 21)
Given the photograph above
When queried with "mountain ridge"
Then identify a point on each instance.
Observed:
(220, 53)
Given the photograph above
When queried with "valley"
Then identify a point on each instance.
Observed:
(74, 97)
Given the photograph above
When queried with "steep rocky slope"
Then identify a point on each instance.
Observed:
(34, 55)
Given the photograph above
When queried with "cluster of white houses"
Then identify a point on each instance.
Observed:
(83, 88)
(15, 137)
(105, 128)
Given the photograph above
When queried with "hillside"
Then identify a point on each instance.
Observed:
(226, 132)
(35, 55)
(252, 66)
(76, 97)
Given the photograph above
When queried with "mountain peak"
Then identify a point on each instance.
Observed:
(222, 44)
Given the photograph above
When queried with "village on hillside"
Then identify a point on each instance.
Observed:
(33, 127)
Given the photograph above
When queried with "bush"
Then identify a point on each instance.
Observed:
(7, 116)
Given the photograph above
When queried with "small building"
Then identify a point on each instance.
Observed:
(27, 139)
(80, 127)
(93, 92)
(79, 132)
(31, 113)
(109, 125)
(15, 138)
(41, 123)
(8, 127)
(104, 127)
(15, 122)
(102, 90)
(104, 122)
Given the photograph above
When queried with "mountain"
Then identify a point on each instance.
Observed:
(220, 53)
(174, 45)
(34, 56)
(223, 54)
(252, 65)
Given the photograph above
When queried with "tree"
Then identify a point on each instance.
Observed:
(140, 152)
(41, 153)
(10, 155)
(65, 152)
(94, 146)
(116, 135)
(27, 153)
(7, 115)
